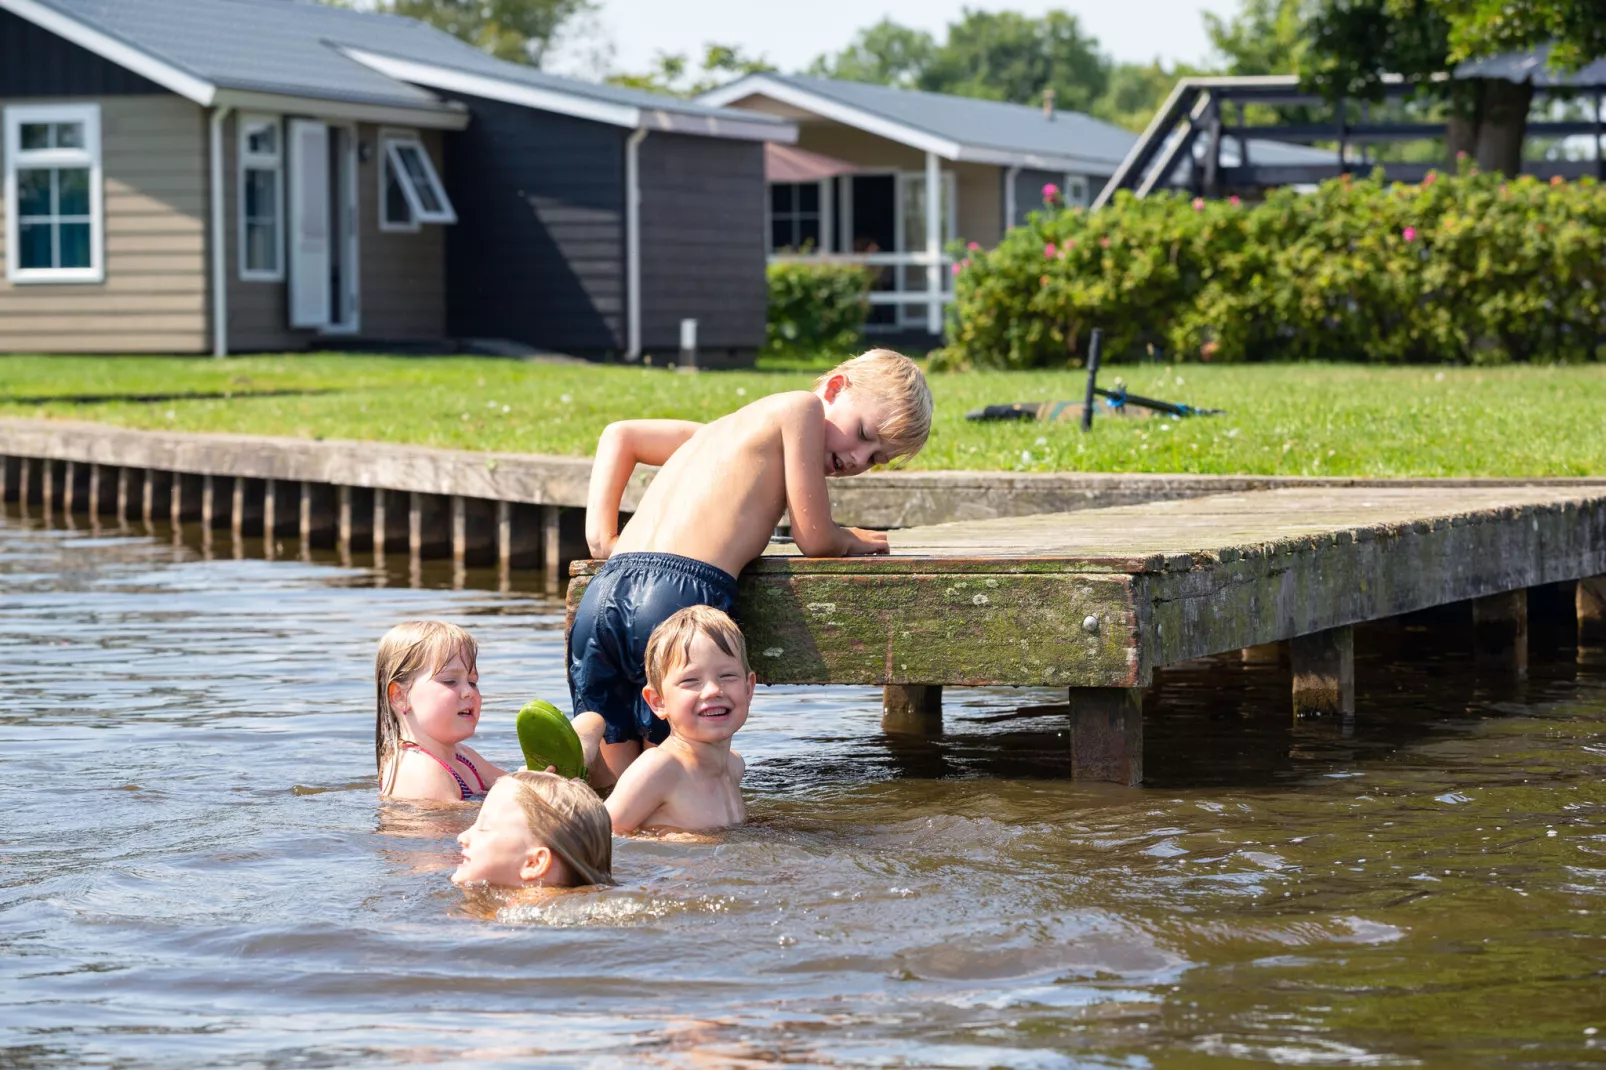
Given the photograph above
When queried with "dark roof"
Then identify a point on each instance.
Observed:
(1534, 66)
(984, 124)
(293, 47)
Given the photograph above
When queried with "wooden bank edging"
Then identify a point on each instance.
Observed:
(875, 500)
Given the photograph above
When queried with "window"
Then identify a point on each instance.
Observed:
(794, 216)
(409, 191)
(54, 221)
(261, 200)
(1076, 189)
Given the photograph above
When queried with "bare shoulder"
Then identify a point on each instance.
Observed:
(419, 778)
(790, 406)
(738, 767)
(655, 771)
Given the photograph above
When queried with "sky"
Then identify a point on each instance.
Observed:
(625, 35)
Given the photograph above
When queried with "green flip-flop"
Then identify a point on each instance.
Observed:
(547, 738)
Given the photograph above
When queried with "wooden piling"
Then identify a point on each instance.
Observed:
(1500, 631)
(343, 524)
(24, 474)
(122, 494)
(1264, 654)
(459, 533)
(92, 499)
(1324, 672)
(1107, 734)
(504, 544)
(5, 479)
(552, 546)
(47, 487)
(1591, 606)
(69, 477)
(912, 710)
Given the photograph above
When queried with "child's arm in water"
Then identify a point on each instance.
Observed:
(808, 501)
(623, 445)
(488, 769)
(643, 789)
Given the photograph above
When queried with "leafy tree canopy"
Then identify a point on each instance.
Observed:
(883, 54)
(517, 30)
(673, 73)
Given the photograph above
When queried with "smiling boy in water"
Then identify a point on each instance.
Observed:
(700, 685)
(710, 510)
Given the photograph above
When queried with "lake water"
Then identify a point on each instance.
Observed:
(195, 871)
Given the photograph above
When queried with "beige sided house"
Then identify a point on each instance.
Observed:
(191, 176)
(854, 187)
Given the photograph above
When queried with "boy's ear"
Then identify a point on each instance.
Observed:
(837, 383)
(653, 699)
(396, 695)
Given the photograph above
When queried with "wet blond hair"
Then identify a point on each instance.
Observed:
(670, 642)
(568, 818)
(898, 381)
(412, 649)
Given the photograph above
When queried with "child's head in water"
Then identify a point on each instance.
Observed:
(538, 829)
(427, 679)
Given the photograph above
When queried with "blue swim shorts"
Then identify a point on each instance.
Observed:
(628, 597)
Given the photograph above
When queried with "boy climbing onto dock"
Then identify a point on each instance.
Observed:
(711, 509)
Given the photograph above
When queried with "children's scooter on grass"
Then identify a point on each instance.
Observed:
(1116, 400)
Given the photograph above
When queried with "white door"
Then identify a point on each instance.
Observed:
(912, 238)
(309, 224)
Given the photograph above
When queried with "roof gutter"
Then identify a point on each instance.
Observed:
(633, 244)
(220, 256)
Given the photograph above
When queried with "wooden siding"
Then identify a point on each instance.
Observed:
(537, 255)
(702, 245)
(401, 287)
(37, 63)
(980, 193)
(154, 297)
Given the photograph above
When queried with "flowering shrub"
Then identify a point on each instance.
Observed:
(816, 307)
(1461, 268)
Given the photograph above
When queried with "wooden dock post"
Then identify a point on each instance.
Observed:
(122, 495)
(1107, 734)
(1500, 630)
(1263, 654)
(1591, 606)
(47, 487)
(504, 545)
(459, 541)
(552, 546)
(69, 477)
(93, 497)
(379, 527)
(912, 710)
(5, 479)
(1324, 672)
(343, 524)
(24, 491)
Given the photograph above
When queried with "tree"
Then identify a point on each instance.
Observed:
(672, 72)
(1264, 37)
(1007, 56)
(1356, 42)
(517, 30)
(1135, 92)
(883, 54)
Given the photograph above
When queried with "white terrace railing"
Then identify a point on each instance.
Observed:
(916, 292)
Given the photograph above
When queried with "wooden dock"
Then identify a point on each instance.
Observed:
(1095, 600)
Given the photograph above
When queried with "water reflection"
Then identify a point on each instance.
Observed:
(195, 870)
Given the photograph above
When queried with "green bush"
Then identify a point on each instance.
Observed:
(816, 307)
(1466, 268)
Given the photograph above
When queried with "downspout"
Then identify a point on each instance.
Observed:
(220, 257)
(1009, 196)
(633, 243)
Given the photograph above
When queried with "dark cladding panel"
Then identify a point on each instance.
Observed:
(37, 63)
(537, 254)
(702, 245)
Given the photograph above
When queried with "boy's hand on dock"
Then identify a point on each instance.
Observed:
(865, 542)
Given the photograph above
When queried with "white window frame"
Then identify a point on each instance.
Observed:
(246, 160)
(796, 216)
(16, 158)
(389, 163)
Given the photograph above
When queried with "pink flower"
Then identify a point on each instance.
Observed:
(1050, 191)
(1070, 243)
(973, 246)
(1555, 180)
(1049, 251)
(1430, 178)
(1104, 242)
(958, 268)
(1234, 201)
(1409, 234)
(1198, 204)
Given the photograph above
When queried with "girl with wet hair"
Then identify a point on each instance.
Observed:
(538, 830)
(427, 681)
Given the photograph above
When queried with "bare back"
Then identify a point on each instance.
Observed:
(720, 495)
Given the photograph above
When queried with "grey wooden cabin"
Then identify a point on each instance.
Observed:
(189, 176)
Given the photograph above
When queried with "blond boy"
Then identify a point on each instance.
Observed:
(700, 685)
(710, 510)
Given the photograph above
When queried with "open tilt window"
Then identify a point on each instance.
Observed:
(261, 200)
(55, 224)
(411, 193)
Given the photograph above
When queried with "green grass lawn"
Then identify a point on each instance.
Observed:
(1285, 419)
